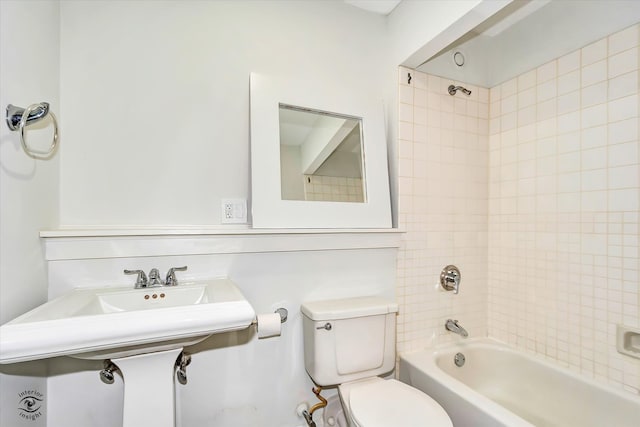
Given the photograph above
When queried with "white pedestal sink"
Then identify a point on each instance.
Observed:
(141, 330)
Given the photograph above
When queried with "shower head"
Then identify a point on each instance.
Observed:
(453, 89)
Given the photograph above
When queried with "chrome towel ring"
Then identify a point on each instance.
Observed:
(19, 118)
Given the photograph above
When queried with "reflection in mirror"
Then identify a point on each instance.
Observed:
(320, 156)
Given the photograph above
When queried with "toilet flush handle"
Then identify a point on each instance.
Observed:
(327, 326)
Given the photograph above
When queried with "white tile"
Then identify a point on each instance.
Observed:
(405, 131)
(569, 162)
(623, 108)
(623, 62)
(569, 102)
(623, 131)
(569, 62)
(569, 122)
(419, 80)
(419, 98)
(405, 149)
(460, 106)
(568, 142)
(595, 179)
(623, 200)
(569, 182)
(526, 80)
(419, 133)
(569, 82)
(406, 94)
(546, 128)
(434, 83)
(546, 90)
(623, 85)
(594, 244)
(546, 147)
(508, 121)
(594, 137)
(569, 202)
(527, 97)
(495, 94)
(594, 52)
(527, 132)
(594, 94)
(509, 87)
(509, 104)
(527, 115)
(547, 109)
(623, 40)
(546, 72)
(483, 95)
(622, 154)
(594, 73)
(433, 100)
(594, 201)
(405, 113)
(624, 177)
(420, 115)
(594, 116)
(546, 166)
(472, 108)
(595, 158)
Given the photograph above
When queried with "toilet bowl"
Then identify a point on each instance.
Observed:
(349, 342)
(375, 402)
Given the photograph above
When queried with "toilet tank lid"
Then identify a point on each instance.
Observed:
(345, 308)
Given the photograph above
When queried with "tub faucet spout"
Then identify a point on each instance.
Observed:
(455, 327)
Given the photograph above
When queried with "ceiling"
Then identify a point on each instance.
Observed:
(383, 7)
(527, 34)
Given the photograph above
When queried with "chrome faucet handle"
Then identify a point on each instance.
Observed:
(141, 280)
(171, 275)
(154, 278)
(450, 278)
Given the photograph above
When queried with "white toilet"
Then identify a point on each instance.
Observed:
(349, 342)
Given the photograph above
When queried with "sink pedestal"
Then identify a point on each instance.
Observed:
(149, 388)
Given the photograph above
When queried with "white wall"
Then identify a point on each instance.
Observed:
(29, 73)
(156, 97)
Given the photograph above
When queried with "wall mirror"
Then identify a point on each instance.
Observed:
(318, 156)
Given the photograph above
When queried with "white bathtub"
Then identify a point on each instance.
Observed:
(499, 386)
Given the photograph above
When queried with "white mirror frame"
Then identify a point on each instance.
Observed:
(268, 208)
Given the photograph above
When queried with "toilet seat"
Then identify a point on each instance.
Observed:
(383, 403)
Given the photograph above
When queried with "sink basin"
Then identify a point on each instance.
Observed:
(99, 323)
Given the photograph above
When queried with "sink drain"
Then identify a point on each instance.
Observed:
(459, 359)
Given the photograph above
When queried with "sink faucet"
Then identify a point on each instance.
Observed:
(455, 327)
(154, 279)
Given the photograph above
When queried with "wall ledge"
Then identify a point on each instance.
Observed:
(92, 243)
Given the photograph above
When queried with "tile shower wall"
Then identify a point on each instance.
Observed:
(563, 208)
(333, 188)
(532, 189)
(443, 197)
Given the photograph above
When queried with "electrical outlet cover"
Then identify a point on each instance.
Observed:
(233, 211)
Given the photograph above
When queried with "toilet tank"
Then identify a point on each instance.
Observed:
(349, 339)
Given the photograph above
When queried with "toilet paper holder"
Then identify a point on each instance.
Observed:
(283, 312)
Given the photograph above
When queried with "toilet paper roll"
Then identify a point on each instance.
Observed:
(269, 325)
